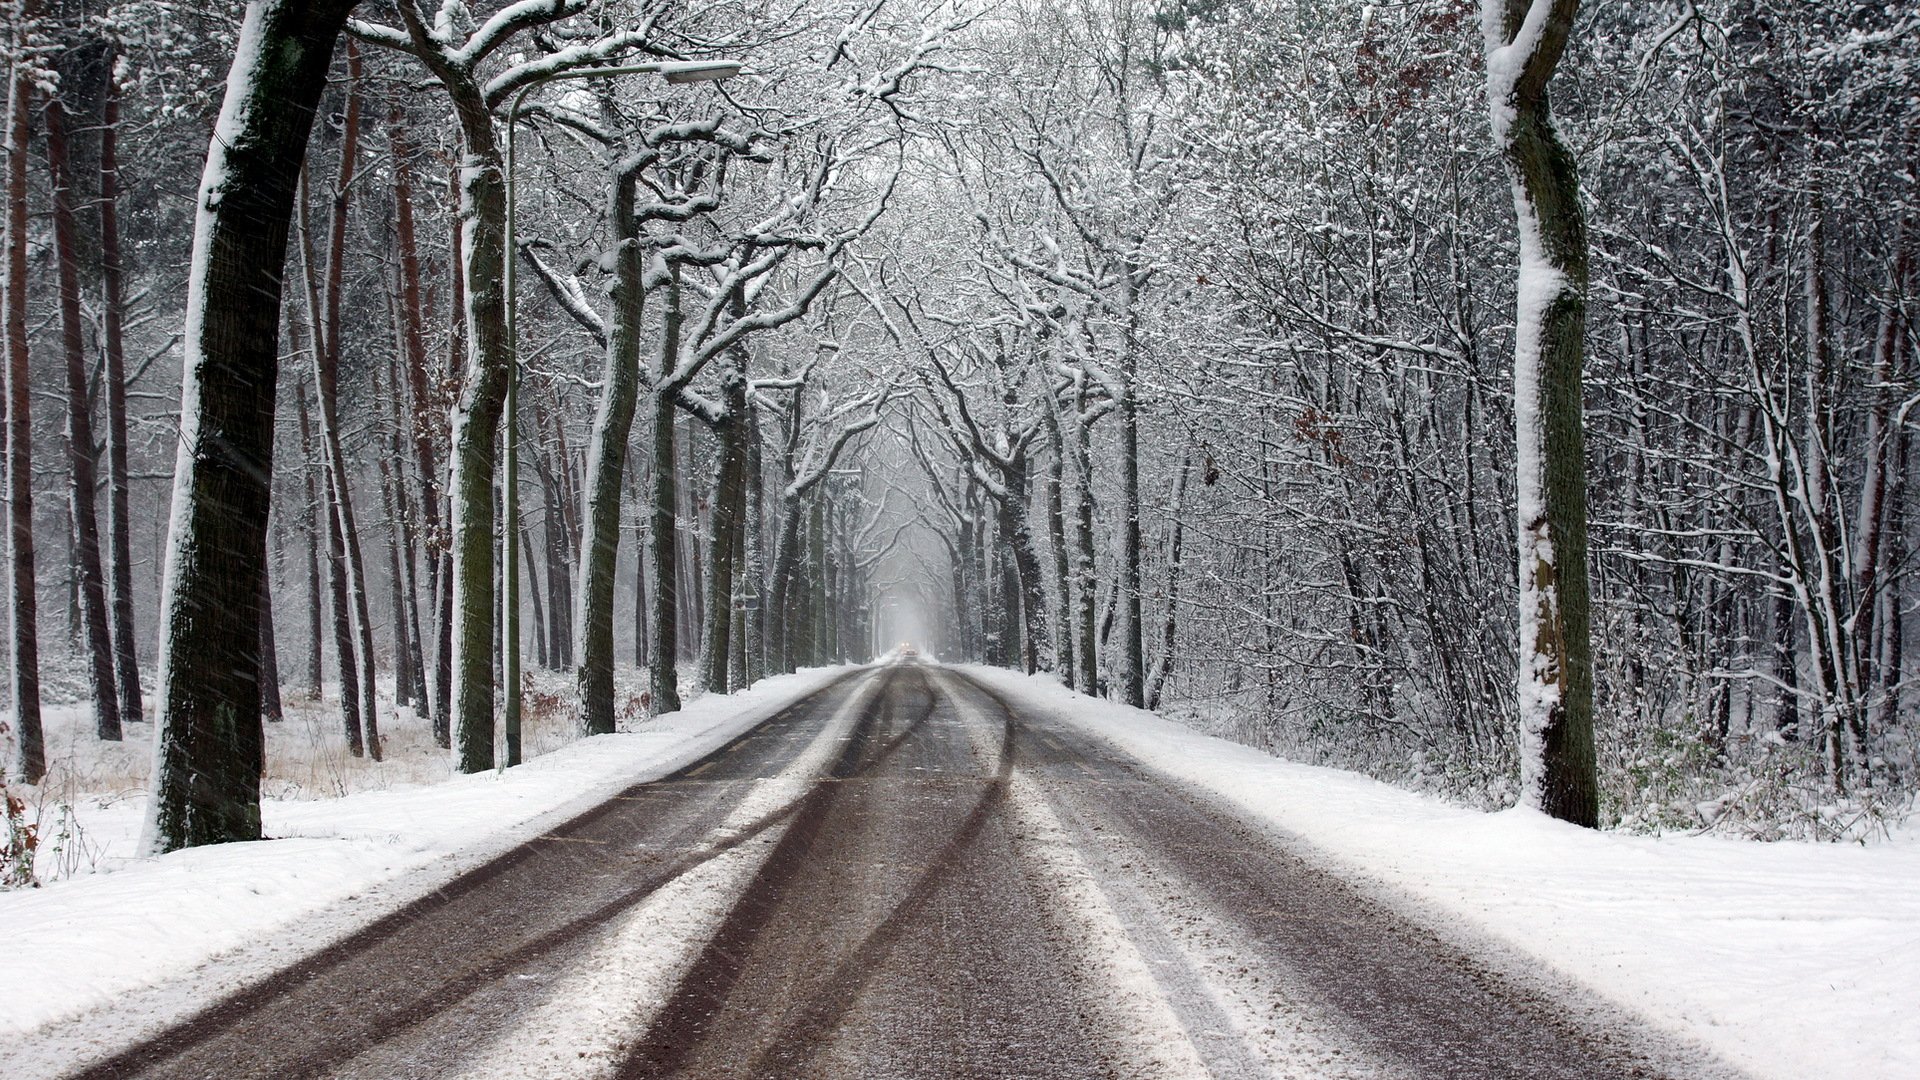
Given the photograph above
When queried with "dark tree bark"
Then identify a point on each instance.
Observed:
(752, 631)
(341, 583)
(206, 779)
(270, 705)
(606, 465)
(728, 514)
(560, 494)
(1063, 650)
(1558, 772)
(23, 652)
(126, 649)
(316, 661)
(1130, 671)
(1170, 626)
(1085, 578)
(663, 538)
(426, 414)
(542, 624)
(82, 481)
(410, 672)
(327, 376)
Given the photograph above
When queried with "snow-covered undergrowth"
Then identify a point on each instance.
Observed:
(1788, 959)
(342, 827)
(1657, 774)
(85, 815)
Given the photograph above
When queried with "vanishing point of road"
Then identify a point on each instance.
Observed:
(903, 875)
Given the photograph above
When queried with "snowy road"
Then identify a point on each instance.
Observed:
(901, 875)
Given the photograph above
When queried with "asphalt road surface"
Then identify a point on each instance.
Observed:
(900, 876)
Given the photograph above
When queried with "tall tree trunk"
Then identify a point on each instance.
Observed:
(82, 481)
(349, 529)
(315, 659)
(662, 537)
(23, 653)
(339, 592)
(817, 597)
(782, 626)
(513, 531)
(396, 588)
(729, 512)
(692, 599)
(426, 417)
(475, 430)
(641, 553)
(558, 496)
(543, 620)
(1063, 650)
(406, 544)
(126, 648)
(208, 737)
(1131, 669)
(1170, 626)
(1085, 576)
(1525, 40)
(750, 633)
(270, 705)
(341, 607)
(358, 650)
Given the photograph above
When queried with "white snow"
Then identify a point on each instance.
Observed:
(86, 941)
(1788, 960)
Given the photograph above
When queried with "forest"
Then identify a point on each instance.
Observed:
(1512, 401)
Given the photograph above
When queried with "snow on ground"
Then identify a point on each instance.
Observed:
(87, 940)
(1788, 960)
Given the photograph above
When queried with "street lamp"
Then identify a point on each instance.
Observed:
(678, 73)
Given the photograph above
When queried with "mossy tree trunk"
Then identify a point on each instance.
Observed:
(208, 754)
(1525, 41)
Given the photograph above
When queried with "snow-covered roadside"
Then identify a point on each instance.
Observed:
(1788, 960)
(80, 943)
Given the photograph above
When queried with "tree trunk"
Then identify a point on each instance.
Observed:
(1063, 650)
(315, 661)
(82, 481)
(692, 599)
(126, 649)
(475, 429)
(338, 593)
(641, 552)
(396, 588)
(406, 544)
(558, 497)
(1085, 576)
(24, 647)
(782, 602)
(542, 625)
(1170, 627)
(1130, 671)
(357, 651)
(663, 537)
(208, 737)
(270, 705)
(729, 511)
(426, 415)
(751, 632)
(1524, 46)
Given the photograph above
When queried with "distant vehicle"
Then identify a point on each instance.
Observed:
(906, 649)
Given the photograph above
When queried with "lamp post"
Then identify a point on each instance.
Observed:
(676, 72)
